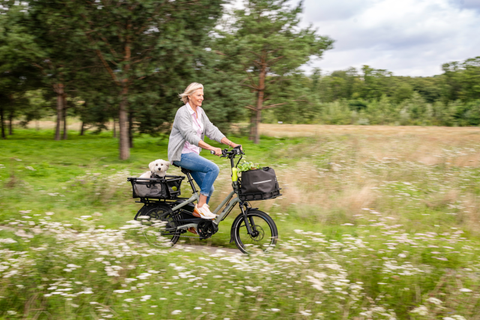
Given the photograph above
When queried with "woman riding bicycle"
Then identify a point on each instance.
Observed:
(189, 128)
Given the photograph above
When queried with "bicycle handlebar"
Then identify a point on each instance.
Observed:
(225, 152)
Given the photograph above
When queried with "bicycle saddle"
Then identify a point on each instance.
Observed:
(185, 171)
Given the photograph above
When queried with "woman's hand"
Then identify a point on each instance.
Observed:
(218, 151)
(234, 145)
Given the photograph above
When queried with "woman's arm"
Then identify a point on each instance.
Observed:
(228, 142)
(218, 152)
(213, 133)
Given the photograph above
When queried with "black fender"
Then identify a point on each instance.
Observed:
(147, 207)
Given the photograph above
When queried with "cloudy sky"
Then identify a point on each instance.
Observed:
(408, 37)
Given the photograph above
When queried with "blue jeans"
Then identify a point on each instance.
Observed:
(204, 172)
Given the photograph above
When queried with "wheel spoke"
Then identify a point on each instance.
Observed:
(264, 232)
(159, 226)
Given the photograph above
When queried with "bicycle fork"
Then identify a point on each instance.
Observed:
(249, 222)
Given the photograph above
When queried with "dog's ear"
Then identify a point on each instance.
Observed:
(165, 164)
(152, 166)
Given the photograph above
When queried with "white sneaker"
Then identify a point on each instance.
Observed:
(203, 212)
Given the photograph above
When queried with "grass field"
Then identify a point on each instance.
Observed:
(375, 223)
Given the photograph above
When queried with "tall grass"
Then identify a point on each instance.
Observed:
(373, 225)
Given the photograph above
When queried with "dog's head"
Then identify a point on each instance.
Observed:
(159, 166)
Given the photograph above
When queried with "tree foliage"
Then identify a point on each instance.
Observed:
(268, 44)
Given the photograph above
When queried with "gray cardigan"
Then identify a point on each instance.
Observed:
(182, 130)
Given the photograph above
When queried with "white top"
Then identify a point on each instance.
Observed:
(197, 126)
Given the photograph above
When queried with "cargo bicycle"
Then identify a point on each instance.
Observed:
(166, 217)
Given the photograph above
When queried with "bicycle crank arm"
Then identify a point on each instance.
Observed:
(186, 226)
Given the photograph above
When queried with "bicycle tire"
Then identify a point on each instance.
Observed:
(267, 232)
(159, 225)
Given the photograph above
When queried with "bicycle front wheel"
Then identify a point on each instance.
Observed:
(264, 233)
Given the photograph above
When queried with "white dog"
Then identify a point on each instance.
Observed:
(158, 167)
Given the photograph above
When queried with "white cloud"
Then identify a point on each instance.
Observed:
(408, 37)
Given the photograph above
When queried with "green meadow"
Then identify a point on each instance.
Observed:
(374, 223)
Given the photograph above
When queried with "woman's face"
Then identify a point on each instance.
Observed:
(196, 98)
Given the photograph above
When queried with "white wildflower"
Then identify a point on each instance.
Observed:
(422, 310)
(21, 233)
(435, 301)
(253, 289)
(465, 290)
(7, 240)
(174, 312)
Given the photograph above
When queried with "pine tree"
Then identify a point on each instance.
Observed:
(147, 47)
(268, 44)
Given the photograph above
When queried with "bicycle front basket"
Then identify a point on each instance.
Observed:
(259, 184)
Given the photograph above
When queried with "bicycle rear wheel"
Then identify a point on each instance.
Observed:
(264, 232)
(159, 225)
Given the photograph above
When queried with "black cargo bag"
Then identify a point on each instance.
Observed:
(259, 184)
(158, 188)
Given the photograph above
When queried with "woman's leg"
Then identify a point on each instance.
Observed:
(204, 172)
(199, 177)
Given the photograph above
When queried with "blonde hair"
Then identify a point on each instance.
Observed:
(192, 87)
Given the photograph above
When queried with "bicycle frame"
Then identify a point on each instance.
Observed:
(220, 216)
(229, 202)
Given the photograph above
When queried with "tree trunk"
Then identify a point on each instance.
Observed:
(251, 136)
(122, 123)
(10, 123)
(257, 116)
(65, 133)
(3, 123)
(59, 90)
(130, 129)
(123, 112)
(82, 128)
(114, 128)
